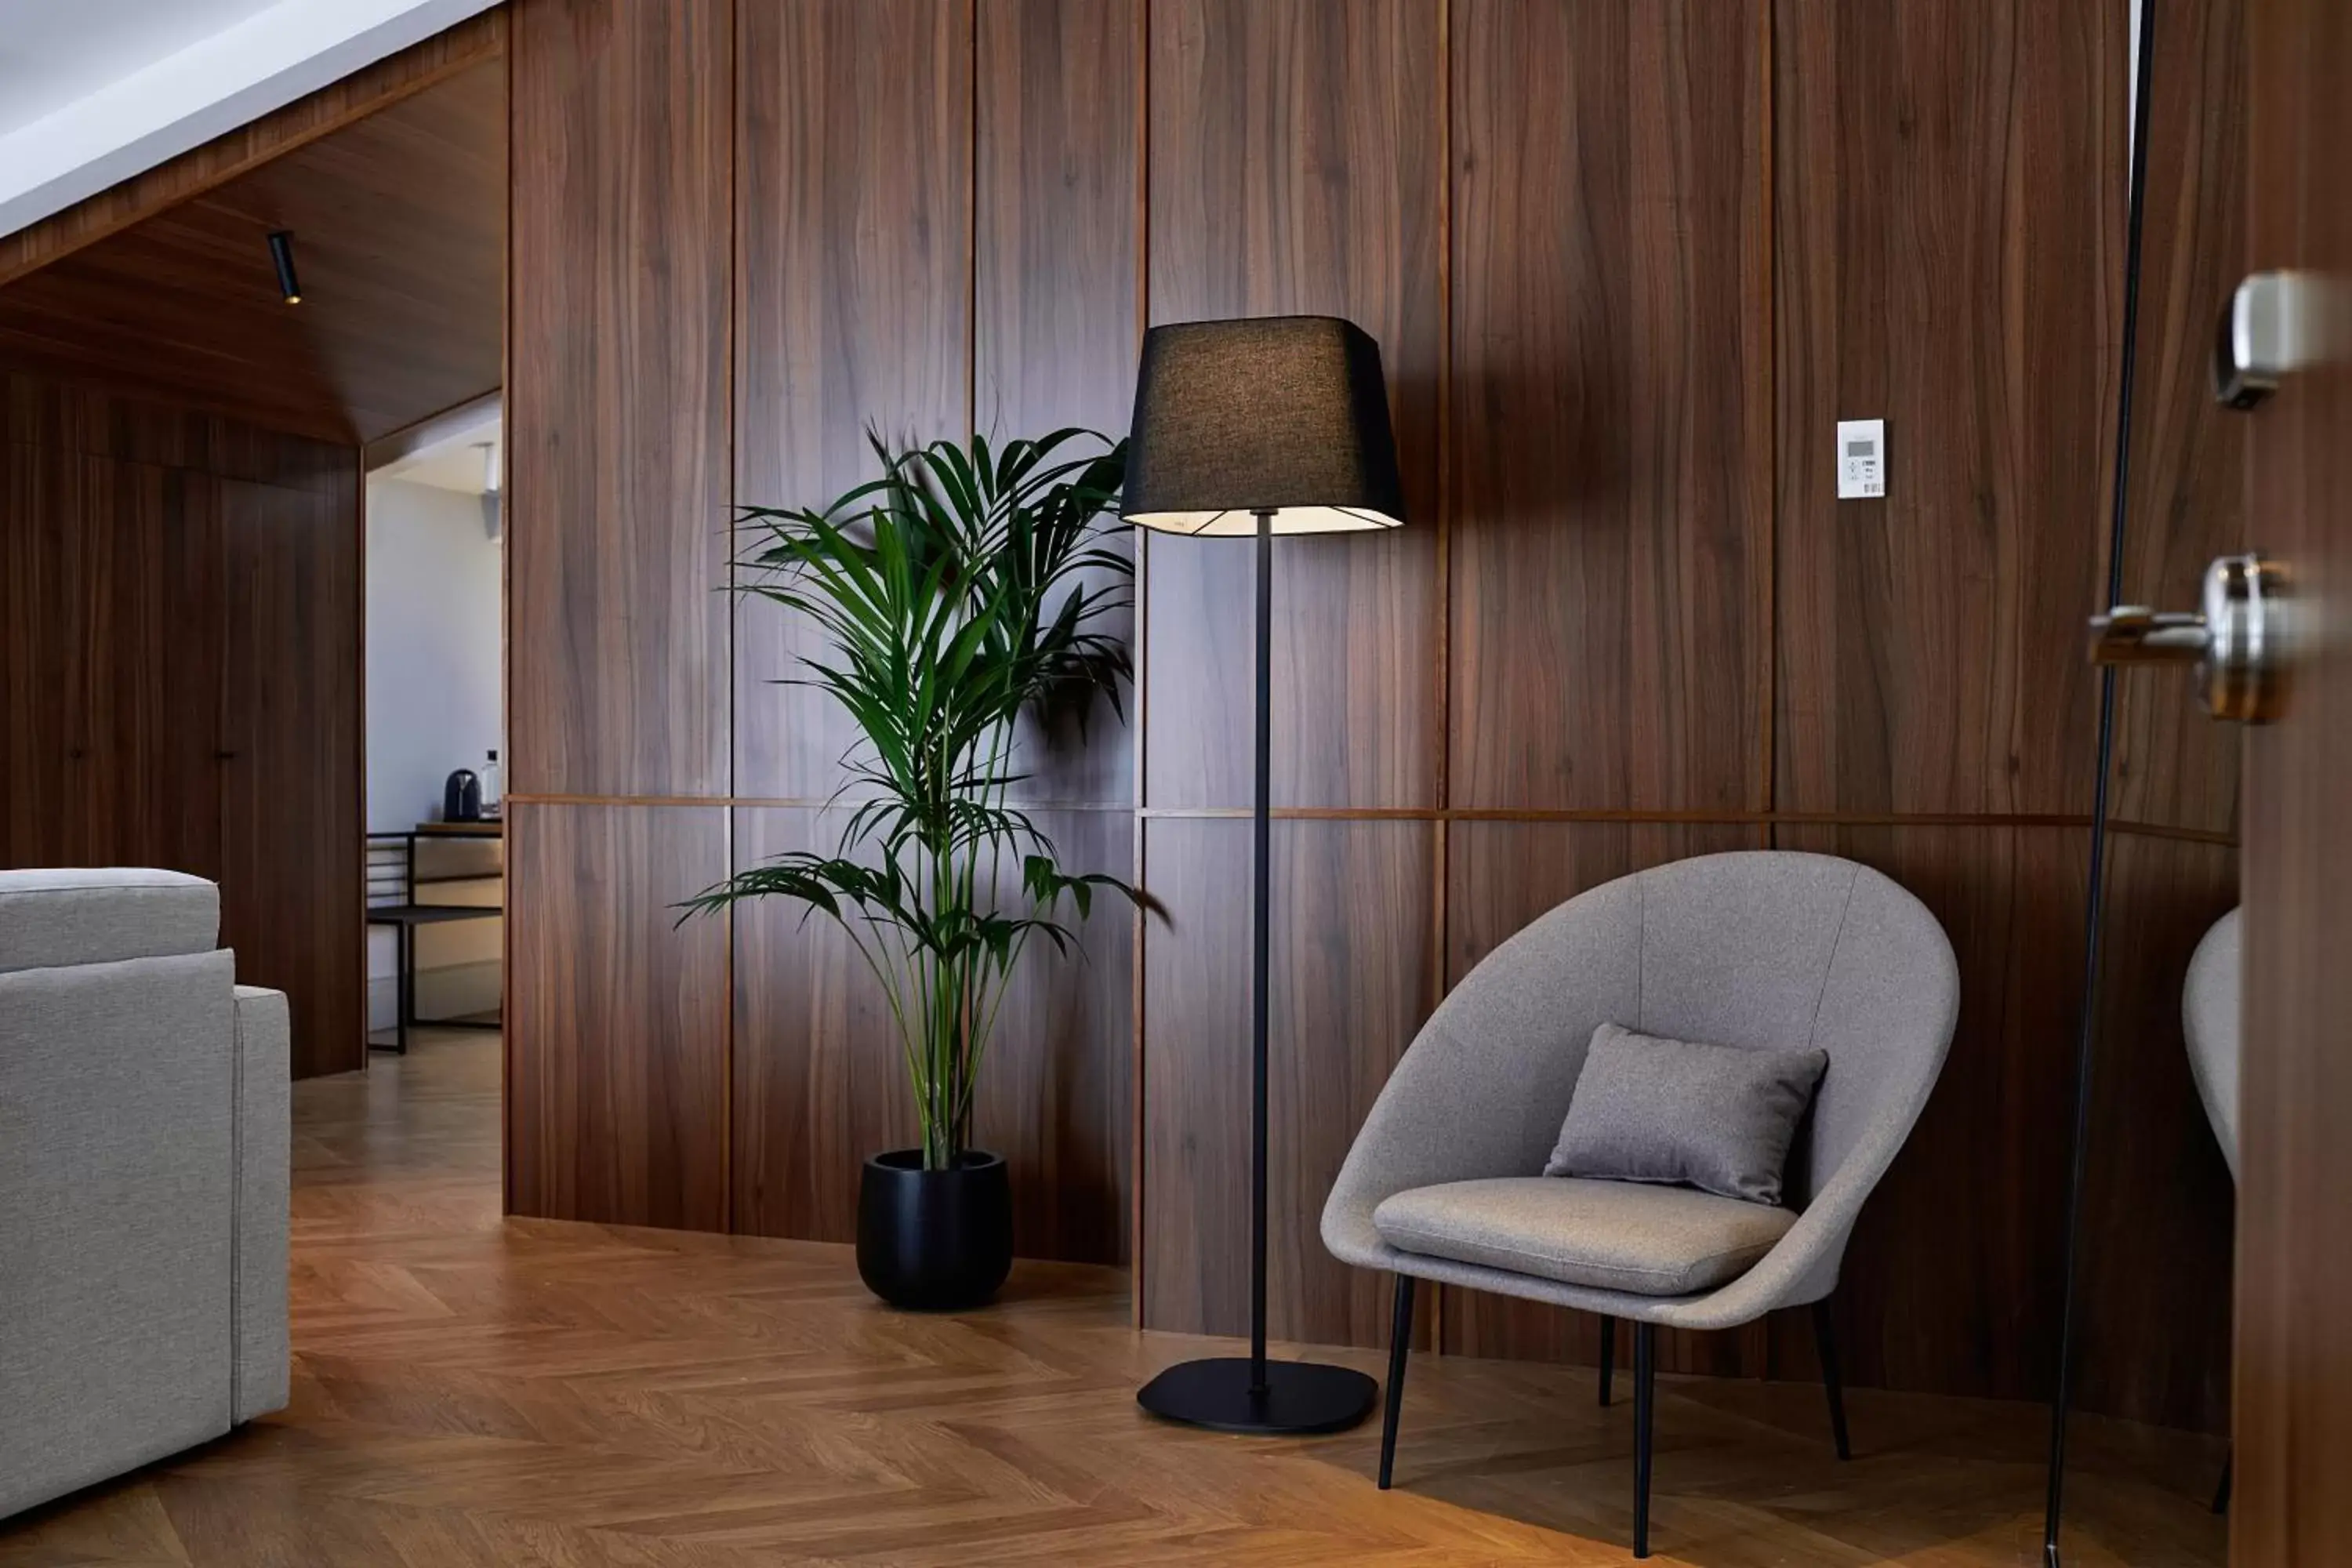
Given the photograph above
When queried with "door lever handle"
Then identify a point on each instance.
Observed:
(2238, 641)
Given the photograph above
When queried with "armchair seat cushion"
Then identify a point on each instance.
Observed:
(1637, 1237)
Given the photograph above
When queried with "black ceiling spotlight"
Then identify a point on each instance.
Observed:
(281, 251)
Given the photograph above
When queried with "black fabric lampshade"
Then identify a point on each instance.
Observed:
(1281, 413)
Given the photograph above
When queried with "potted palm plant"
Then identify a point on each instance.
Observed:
(962, 589)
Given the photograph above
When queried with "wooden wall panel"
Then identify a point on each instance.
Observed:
(180, 676)
(1611, 406)
(1056, 317)
(1946, 256)
(1953, 1277)
(617, 405)
(1352, 946)
(617, 1017)
(2157, 1203)
(1296, 168)
(293, 784)
(853, 297)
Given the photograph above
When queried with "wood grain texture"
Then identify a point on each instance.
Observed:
(2294, 1371)
(365, 91)
(399, 225)
(1352, 928)
(473, 1393)
(852, 300)
(1295, 167)
(2174, 764)
(292, 787)
(1948, 256)
(616, 1073)
(821, 1080)
(1055, 280)
(1611, 405)
(181, 676)
(2155, 1259)
(1953, 1277)
(618, 413)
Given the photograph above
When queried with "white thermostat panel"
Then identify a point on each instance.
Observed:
(1862, 458)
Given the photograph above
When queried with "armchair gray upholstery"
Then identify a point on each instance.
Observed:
(1761, 948)
(143, 1144)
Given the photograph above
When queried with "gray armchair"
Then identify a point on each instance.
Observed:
(143, 1130)
(1758, 948)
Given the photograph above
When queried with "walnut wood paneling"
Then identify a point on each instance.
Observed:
(1953, 1277)
(1499, 877)
(292, 783)
(1947, 205)
(1055, 280)
(399, 225)
(363, 93)
(853, 299)
(1297, 166)
(1611, 405)
(821, 1080)
(2154, 1259)
(1352, 934)
(2174, 765)
(617, 1016)
(617, 414)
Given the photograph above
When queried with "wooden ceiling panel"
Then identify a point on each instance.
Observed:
(399, 225)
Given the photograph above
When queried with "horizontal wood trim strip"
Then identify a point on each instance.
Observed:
(1466, 814)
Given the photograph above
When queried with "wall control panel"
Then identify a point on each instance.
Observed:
(1861, 458)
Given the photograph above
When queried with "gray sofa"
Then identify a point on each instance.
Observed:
(144, 1123)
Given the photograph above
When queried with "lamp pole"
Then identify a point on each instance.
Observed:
(1262, 942)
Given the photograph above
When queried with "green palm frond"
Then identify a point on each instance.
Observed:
(966, 587)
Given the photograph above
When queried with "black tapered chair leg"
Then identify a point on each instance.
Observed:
(1399, 1343)
(1825, 1339)
(1608, 1356)
(2221, 1492)
(1645, 1371)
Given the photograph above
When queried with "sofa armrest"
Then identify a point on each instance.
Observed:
(262, 1352)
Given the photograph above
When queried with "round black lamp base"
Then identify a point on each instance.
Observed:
(1300, 1397)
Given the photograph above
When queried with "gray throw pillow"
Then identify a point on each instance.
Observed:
(1718, 1118)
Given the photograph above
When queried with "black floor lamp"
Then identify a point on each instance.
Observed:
(1273, 426)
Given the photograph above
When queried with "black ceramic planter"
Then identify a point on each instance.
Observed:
(934, 1240)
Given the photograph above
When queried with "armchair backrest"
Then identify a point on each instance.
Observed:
(1757, 947)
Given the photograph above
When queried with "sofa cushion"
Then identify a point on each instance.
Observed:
(1611, 1235)
(1719, 1117)
(50, 920)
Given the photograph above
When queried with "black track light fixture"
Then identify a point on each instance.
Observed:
(281, 252)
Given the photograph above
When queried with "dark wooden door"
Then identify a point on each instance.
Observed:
(290, 785)
(2295, 1229)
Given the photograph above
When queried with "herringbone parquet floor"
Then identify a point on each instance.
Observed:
(468, 1391)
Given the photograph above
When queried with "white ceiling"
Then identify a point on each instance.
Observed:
(55, 51)
(93, 91)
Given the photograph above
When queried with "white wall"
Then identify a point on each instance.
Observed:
(433, 678)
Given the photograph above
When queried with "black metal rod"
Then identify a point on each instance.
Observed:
(1646, 1372)
(1832, 1381)
(2144, 74)
(1399, 1343)
(1608, 1356)
(1261, 939)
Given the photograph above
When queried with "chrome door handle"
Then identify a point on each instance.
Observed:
(2238, 641)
